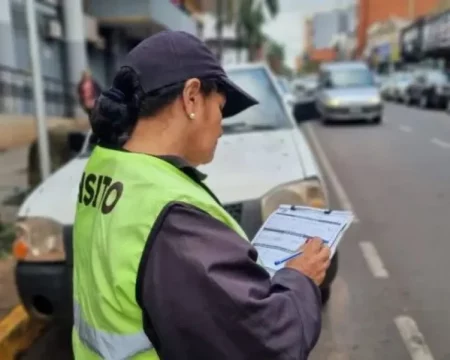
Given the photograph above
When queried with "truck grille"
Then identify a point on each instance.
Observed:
(235, 210)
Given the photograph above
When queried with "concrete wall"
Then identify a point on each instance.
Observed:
(168, 15)
(324, 26)
(160, 11)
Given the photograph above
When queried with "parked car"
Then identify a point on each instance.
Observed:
(286, 92)
(262, 160)
(305, 87)
(429, 89)
(347, 91)
(402, 81)
(387, 88)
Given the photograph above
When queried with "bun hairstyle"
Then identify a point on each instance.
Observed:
(117, 110)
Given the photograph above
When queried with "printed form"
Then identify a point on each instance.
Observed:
(287, 229)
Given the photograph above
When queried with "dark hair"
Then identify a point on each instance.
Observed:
(117, 110)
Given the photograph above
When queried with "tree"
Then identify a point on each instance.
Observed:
(249, 22)
(276, 56)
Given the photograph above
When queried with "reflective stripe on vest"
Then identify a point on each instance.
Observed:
(109, 345)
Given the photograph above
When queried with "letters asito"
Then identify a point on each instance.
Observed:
(100, 192)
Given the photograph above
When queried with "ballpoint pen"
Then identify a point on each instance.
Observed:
(279, 262)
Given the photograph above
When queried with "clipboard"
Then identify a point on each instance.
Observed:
(288, 228)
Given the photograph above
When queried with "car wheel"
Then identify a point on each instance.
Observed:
(377, 121)
(325, 120)
(407, 100)
(436, 102)
(423, 102)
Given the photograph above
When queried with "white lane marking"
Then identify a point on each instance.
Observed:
(413, 338)
(440, 143)
(405, 128)
(338, 188)
(373, 260)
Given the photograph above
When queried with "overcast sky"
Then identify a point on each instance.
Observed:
(287, 28)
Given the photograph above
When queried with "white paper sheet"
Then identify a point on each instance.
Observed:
(287, 229)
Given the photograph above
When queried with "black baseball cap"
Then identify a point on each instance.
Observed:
(171, 57)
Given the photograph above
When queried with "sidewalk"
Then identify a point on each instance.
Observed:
(20, 130)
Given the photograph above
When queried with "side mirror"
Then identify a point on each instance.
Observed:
(76, 140)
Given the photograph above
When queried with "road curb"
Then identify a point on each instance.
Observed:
(18, 332)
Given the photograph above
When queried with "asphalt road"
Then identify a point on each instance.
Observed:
(391, 298)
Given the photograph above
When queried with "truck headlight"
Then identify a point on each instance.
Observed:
(39, 239)
(308, 192)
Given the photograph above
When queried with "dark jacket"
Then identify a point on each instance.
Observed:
(204, 296)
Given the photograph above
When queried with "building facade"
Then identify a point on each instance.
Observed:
(427, 38)
(383, 43)
(76, 35)
(325, 30)
(232, 53)
(373, 11)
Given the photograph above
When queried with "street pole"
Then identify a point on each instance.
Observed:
(219, 29)
(38, 91)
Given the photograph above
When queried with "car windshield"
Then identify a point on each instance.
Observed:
(355, 77)
(268, 114)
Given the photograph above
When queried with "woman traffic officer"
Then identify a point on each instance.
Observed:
(161, 270)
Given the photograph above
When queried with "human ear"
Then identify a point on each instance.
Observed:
(191, 95)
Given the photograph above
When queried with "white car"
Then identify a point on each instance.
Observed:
(348, 92)
(263, 160)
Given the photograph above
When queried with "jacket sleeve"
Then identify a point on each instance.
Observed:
(207, 298)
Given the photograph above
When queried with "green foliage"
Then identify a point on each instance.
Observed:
(309, 67)
(250, 19)
(7, 235)
(276, 50)
(276, 56)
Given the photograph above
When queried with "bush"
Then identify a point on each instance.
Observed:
(7, 235)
